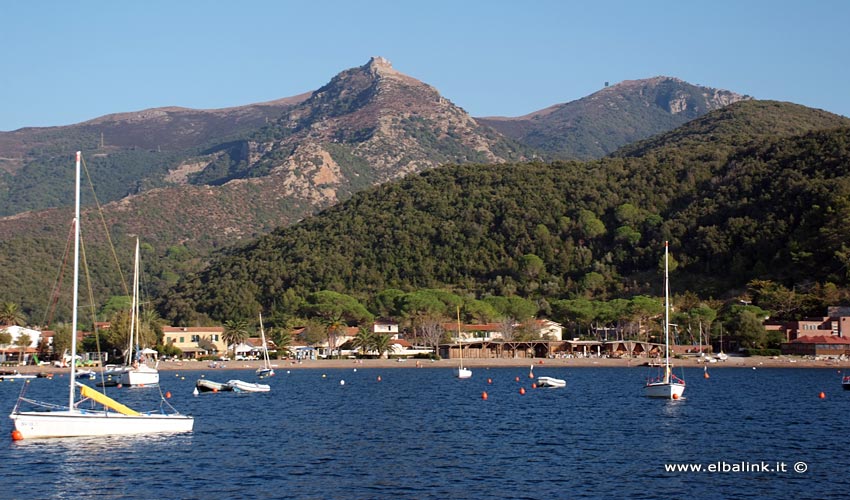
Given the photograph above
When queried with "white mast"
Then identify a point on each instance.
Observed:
(134, 304)
(666, 317)
(75, 300)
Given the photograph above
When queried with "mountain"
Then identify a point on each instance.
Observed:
(758, 192)
(599, 124)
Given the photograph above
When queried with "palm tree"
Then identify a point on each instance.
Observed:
(381, 343)
(23, 341)
(281, 338)
(235, 332)
(11, 315)
(363, 340)
(336, 326)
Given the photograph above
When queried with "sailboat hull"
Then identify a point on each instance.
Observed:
(463, 372)
(58, 424)
(665, 390)
(141, 376)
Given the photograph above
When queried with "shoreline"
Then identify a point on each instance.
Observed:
(281, 364)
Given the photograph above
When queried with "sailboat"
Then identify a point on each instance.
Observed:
(265, 370)
(57, 421)
(139, 374)
(668, 386)
(460, 371)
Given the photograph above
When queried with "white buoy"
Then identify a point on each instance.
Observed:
(342, 382)
(355, 369)
(195, 392)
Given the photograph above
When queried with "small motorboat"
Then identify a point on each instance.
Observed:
(551, 382)
(845, 382)
(15, 375)
(204, 385)
(240, 386)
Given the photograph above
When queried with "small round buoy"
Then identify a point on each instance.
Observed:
(484, 395)
(675, 396)
(530, 374)
(489, 381)
(16, 435)
(822, 395)
(379, 378)
(195, 392)
(754, 368)
(355, 369)
(287, 372)
(517, 379)
(176, 374)
(342, 382)
(182, 378)
(167, 394)
(119, 386)
(522, 390)
(534, 386)
(215, 389)
(324, 376)
(706, 375)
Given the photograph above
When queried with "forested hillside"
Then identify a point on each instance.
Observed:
(747, 194)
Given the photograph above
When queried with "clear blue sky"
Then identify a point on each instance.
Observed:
(67, 61)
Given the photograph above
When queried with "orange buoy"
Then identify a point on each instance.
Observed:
(489, 381)
(534, 386)
(517, 379)
(215, 389)
(530, 374)
(16, 435)
(706, 375)
(484, 395)
(822, 395)
(675, 396)
(168, 395)
(522, 390)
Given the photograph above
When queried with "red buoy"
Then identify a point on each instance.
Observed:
(522, 390)
(16, 435)
(705, 375)
(822, 395)
(534, 386)
(489, 381)
(168, 395)
(484, 395)
(675, 396)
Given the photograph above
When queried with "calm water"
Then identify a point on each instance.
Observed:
(420, 433)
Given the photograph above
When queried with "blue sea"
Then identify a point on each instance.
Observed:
(422, 434)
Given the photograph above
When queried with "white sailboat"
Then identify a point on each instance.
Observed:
(139, 374)
(667, 386)
(56, 421)
(460, 371)
(266, 370)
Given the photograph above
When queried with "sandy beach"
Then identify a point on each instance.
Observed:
(732, 361)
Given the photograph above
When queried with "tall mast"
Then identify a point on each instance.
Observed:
(666, 311)
(75, 300)
(134, 304)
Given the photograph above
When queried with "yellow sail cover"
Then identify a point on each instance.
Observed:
(105, 400)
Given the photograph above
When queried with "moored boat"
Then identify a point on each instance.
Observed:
(240, 386)
(204, 385)
(551, 382)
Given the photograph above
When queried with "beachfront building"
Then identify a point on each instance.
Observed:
(819, 336)
(195, 341)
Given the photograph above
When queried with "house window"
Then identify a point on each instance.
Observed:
(215, 337)
(181, 340)
(196, 338)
